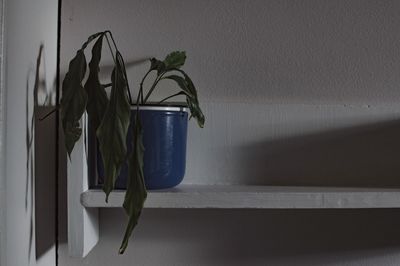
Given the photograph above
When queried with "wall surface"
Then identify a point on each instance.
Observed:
(28, 25)
(2, 144)
(295, 93)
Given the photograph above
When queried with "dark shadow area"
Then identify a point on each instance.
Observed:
(62, 190)
(40, 165)
(45, 164)
(365, 155)
(362, 156)
(255, 235)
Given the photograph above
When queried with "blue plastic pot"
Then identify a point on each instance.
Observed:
(164, 140)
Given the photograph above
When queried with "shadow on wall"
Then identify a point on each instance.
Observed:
(45, 180)
(40, 164)
(366, 155)
(301, 231)
(251, 237)
(359, 156)
(29, 137)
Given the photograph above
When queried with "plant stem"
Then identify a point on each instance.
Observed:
(141, 85)
(140, 95)
(111, 50)
(119, 56)
(121, 59)
(112, 38)
(153, 87)
(169, 97)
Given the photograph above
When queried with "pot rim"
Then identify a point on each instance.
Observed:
(173, 107)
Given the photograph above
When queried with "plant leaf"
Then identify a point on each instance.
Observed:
(113, 130)
(136, 194)
(158, 65)
(175, 60)
(74, 99)
(97, 96)
(91, 38)
(182, 84)
(193, 101)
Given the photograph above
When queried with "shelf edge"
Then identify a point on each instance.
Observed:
(252, 199)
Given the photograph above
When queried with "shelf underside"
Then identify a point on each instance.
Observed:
(255, 197)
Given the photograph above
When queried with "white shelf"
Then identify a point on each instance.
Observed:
(258, 197)
(83, 204)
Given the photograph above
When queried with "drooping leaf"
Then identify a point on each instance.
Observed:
(192, 101)
(90, 39)
(74, 99)
(72, 133)
(97, 96)
(181, 83)
(136, 194)
(113, 130)
(175, 60)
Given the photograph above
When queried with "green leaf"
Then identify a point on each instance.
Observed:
(113, 130)
(136, 194)
(193, 101)
(175, 60)
(157, 65)
(72, 132)
(97, 96)
(182, 84)
(74, 99)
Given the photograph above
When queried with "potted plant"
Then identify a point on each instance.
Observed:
(127, 131)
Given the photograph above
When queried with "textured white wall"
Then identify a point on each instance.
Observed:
(28, 24)
(258, 51)
(295, 92)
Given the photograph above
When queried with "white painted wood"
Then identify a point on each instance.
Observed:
(227, 152)
(260, 197)
(83, 225)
